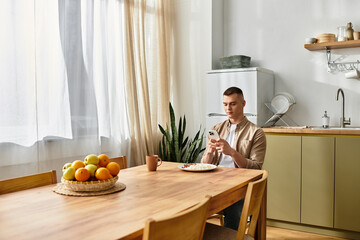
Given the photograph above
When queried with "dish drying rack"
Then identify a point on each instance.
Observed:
(341, 67)
(278, 116)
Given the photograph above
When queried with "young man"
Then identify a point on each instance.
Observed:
(242, 144)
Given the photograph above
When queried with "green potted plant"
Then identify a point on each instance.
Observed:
(174, 147)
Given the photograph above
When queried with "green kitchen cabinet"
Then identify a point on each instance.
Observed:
(317, 188)
(347, 183)
(283, 162)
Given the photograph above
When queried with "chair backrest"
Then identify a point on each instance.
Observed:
(27, 182)
(186, 225)
(121, 161)
(253, 199)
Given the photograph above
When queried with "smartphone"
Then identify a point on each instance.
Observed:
(213, 134)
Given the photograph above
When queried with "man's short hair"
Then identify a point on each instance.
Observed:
(232, 90)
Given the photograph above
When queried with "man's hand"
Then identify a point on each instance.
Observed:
(210, 149)
(211, 146)
(223, 146)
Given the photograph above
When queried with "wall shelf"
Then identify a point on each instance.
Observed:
(332, 45)
(333, 65)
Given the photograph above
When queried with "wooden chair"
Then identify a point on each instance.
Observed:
(218, 216)
(27, 182)
(253, 199)
(121, 161)
(186, 225)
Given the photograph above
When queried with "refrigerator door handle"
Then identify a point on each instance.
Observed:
(217, 115)
(224, 115)
(250, 114)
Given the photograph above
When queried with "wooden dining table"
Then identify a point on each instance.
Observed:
(40, 213)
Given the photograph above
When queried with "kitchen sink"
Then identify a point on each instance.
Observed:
(336, 128)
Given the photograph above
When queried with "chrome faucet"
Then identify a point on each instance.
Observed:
(343, 121)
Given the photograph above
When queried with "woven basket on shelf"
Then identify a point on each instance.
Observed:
(90, 186)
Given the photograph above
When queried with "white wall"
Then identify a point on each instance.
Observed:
(272, 32)
(192, 32)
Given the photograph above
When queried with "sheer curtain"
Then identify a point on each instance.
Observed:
(148, 34)
(92, 33)
(32, 80)
(62, 84)
(81, 77)
(34, 95)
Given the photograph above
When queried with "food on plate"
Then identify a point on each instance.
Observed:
(194, 166)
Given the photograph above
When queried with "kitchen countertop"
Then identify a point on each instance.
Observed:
(312, 130)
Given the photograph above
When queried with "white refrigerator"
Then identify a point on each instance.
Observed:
(257, 85)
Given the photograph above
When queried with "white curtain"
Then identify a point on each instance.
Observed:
(149, 53)
(102, 38)
(61, 83)
(32, 73)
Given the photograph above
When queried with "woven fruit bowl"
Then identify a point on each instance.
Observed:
(89, 186)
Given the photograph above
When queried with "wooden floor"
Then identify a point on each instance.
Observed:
(273, 233)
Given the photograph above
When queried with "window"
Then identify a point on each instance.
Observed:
(61, 79)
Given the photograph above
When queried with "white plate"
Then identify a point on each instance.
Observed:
(185, 167)
(289, 96)
(282, 102)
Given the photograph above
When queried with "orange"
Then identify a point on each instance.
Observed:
(103, 160)
(78, 164)
(103, 174)
(114, 168)
(82, 174)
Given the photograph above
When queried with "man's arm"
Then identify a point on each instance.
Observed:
(223, 147)
(257, 152)
(239, 159)
(208, 156)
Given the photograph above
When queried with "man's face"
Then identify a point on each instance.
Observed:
(234, 105)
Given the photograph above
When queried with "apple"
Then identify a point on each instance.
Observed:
(92, 168)
(91, 159)
(69, 173)
(66, 166)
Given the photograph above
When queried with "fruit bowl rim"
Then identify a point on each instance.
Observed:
(89, 186)
(63, 180)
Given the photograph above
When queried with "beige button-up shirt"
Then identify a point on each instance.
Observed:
(249, 141)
